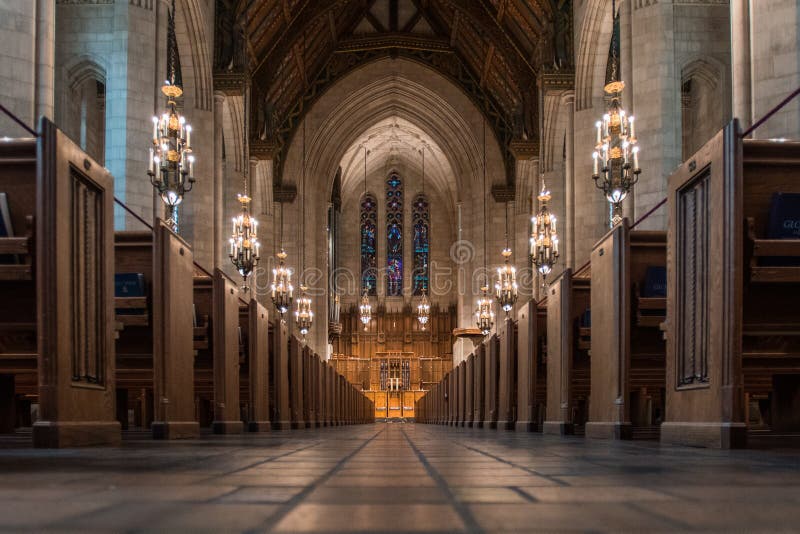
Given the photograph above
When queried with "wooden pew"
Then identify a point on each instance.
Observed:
(203, 302)
(155, 354)
(296, 383)
(567, 362)
(507, 375)
(479, 389)
(491, 381)
(279, 376)
(627, 352)
(732, 315)
(319, 390)
(18, 318)
(59, 291)
(133, 257)
(258, 343)
(469, 390)
(527, 368)
(227, 414)
(462, 382)
(308, 387)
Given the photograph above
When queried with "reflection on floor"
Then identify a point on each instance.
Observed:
(397, 478)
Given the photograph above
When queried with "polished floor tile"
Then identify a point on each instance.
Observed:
(397, 478)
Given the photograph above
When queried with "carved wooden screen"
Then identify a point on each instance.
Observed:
(421, 221)
(369, 228)
(693, 282)
(87, 280)
(394, 236)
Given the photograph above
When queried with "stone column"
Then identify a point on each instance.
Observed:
(569, 180)
(741, 62)
(44, 95)
(219, 106)
(626, 10)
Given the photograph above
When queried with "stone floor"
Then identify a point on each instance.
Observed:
(397, 478)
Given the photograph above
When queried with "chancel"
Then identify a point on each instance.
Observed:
(399, 265)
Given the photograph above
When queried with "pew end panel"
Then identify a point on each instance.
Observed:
(281, 410)
(203, 336)
(74, 292)
(704, 297)
(259, 379)
(227, 415)
(609, 412)
(172, 334)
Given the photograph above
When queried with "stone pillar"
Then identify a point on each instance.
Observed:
(569, 179)
(626, 45)
(741, 62)
(219, 106)
(45, 59)
(280, 366)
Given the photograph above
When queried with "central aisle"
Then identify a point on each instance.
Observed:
(396, 478)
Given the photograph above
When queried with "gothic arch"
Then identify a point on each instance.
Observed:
(703, 94)
(592, 52)
(193, 41)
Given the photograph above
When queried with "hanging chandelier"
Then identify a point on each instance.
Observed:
(365, 310)
(424, 306)
(616, 155)
(303, 315)
(423, 309)
(282, 289)
(244, 241)
(506, 286)
(544, 239)
(171, 168)
(484, 314)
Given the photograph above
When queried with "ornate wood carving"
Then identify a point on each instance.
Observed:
(88, 321)
(693, 281)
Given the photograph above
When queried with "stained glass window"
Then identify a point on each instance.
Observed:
(421, 220)
(394, 236)
(369, 228)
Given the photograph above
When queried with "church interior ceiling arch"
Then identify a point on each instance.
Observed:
(494, 50)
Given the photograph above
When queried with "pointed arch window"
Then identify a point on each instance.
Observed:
(369, 228)
(421, 220)
(394, 236)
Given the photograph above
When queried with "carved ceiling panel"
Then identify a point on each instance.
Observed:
(494, 49)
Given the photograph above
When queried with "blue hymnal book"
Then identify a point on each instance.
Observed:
(129, 285)
(655, 282)
(586, 319)
(784, 223)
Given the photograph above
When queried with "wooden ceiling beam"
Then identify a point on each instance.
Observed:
(332, 28)
(287, 13)
(374, 21)
(501, 11)
(454, 30)
(282, 45)
(487, 64)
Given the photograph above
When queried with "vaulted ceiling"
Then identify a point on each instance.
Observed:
(493, 49)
